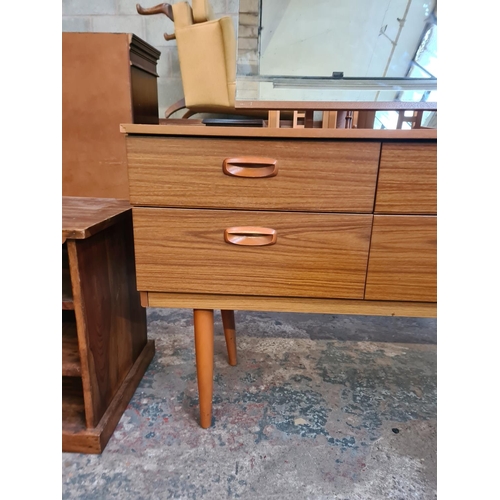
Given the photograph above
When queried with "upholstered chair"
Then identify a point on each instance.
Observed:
(207, 57)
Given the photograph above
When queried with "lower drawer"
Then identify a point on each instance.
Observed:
(403, 259)
(232, 252)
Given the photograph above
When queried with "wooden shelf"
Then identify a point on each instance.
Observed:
(73, 409)
(105, 350)
(67, 293)
(71, 366)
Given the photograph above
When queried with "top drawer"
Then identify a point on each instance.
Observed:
(253, 174)
(407, 182)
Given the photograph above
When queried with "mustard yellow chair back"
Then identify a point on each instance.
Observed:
(207, 56)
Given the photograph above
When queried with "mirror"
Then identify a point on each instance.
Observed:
(338, 50)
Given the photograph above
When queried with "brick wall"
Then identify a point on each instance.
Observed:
(248, 48)
(120, 16)
(248, 37)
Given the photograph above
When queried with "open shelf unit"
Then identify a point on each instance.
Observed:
(105, 350)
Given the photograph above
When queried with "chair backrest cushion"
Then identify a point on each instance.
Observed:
(183, 15)
(202, 11)
(207, 58)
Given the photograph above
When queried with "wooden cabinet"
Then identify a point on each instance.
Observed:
(353, 212)
(403, 250)
(105, 350)
(107, 79)
(267, 220)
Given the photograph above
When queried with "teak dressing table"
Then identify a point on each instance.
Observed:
(339, 221)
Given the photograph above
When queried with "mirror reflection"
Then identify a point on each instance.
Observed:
(337, 50)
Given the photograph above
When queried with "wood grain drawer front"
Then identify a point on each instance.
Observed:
(407, 182)
(317, 176)
(403, 258)
(315, 255)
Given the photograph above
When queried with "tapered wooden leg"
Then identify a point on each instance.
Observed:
(204, 349)
(230, 334)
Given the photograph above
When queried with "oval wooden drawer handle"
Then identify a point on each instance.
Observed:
(250, 166)
(250, 236)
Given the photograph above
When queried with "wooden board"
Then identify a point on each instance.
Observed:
(298, 133)
(85, 216)
(292, 304)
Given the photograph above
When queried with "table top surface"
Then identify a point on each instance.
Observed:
(82, 217)
(278, 133)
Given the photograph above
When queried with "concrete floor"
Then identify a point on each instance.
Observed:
(319, 407)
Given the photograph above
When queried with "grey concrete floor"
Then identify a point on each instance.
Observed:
(319, 407)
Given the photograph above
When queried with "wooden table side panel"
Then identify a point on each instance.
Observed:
(338, 176)
(403, 259)
(407, 182)
(316, 255)
(114, 320)
(89, 381)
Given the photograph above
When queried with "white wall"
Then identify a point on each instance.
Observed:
(317, 37)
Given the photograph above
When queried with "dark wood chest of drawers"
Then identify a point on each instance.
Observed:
(107, 79)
